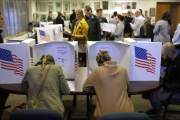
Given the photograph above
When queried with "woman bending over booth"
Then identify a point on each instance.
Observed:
(50, 95)
(110, 83)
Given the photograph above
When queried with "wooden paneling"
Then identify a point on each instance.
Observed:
(175, 15)
(161, 8)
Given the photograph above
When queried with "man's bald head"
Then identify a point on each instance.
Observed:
(137, 13)
(168, 49)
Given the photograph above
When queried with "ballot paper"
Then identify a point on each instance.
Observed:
(162, 69)
(108, 27)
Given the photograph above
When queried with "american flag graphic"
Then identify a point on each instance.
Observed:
(44, 36)
(76, 62)
(11, 62)
(31, 54)
(143, 59)
(54, 34)
(42, 25)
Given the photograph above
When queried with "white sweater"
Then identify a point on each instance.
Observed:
(176, 37)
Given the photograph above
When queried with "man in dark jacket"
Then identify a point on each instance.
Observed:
(59, 20)
(1, 26)
(102, 19)
(146, 30)
(50, 17)
(171, 80)
(94, 33)
(72, 16)
(3, 94)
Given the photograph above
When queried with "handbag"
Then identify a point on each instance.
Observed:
(23, 105)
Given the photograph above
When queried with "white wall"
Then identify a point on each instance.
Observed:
(145, 5)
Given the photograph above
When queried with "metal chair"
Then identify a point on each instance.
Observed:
(125, 116)
(168, 102)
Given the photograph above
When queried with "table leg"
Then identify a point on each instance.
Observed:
(74, 101)
(87, 99)
(3, 98)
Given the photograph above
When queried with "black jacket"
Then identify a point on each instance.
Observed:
(73, 23)
(172, 75)
(34, 36)
(149, 28)
(127, 27)
(1, 39)
(60, 21)
(72, 17)
(94, 33)
(49, 19)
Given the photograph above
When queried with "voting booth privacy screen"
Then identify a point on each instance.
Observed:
(13, 62)
(65, 55)
(141, 59)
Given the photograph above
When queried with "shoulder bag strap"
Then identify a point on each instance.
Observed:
(42, 84)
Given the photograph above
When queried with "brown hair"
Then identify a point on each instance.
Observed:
(166, 16)
(120, 17)
(80, 12)
(59, 14)
(103, 56)
(88, 8)
(99, 9)
(44, 59)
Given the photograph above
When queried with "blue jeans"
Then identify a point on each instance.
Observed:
(162, 98)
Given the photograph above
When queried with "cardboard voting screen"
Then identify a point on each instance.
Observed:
(119, 52)
(30, 43)
(145, 61)
(13, 62)
(57, 32)
(65, 55)
(141, 59)
(43, 24)
(45, 34)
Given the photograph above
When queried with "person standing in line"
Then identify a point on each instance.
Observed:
(176, 37)
(72, 16)
(161, 30)
(102, 19)
(119, 32)
(94, 33)
(128, 30)
(50, 17)
(138, 23)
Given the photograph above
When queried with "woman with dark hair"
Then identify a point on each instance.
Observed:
(110, 83)
(59, 20)
(161, 29)
(119, 31)
(170, 26)
(50, 95)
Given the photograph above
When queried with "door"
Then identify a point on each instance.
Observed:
(175, 15)
(160, 9)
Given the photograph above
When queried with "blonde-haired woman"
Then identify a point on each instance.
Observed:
(110, 83)
(50, 95)
(80, 32)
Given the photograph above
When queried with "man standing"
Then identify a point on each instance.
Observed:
(138, 23)
(50, 17)
(1, 26)
(171, 80)
(3, 94)
(72, 16)
(94, 33)
(102, 19)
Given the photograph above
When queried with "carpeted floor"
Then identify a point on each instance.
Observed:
(80, 110)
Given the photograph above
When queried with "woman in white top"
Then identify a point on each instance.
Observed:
(161, 30)
(176, 37)
(119, 32)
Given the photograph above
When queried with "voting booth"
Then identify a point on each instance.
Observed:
(141, 59)
(15, 58)
(44, 24)
(65, 55)
(57, 32)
